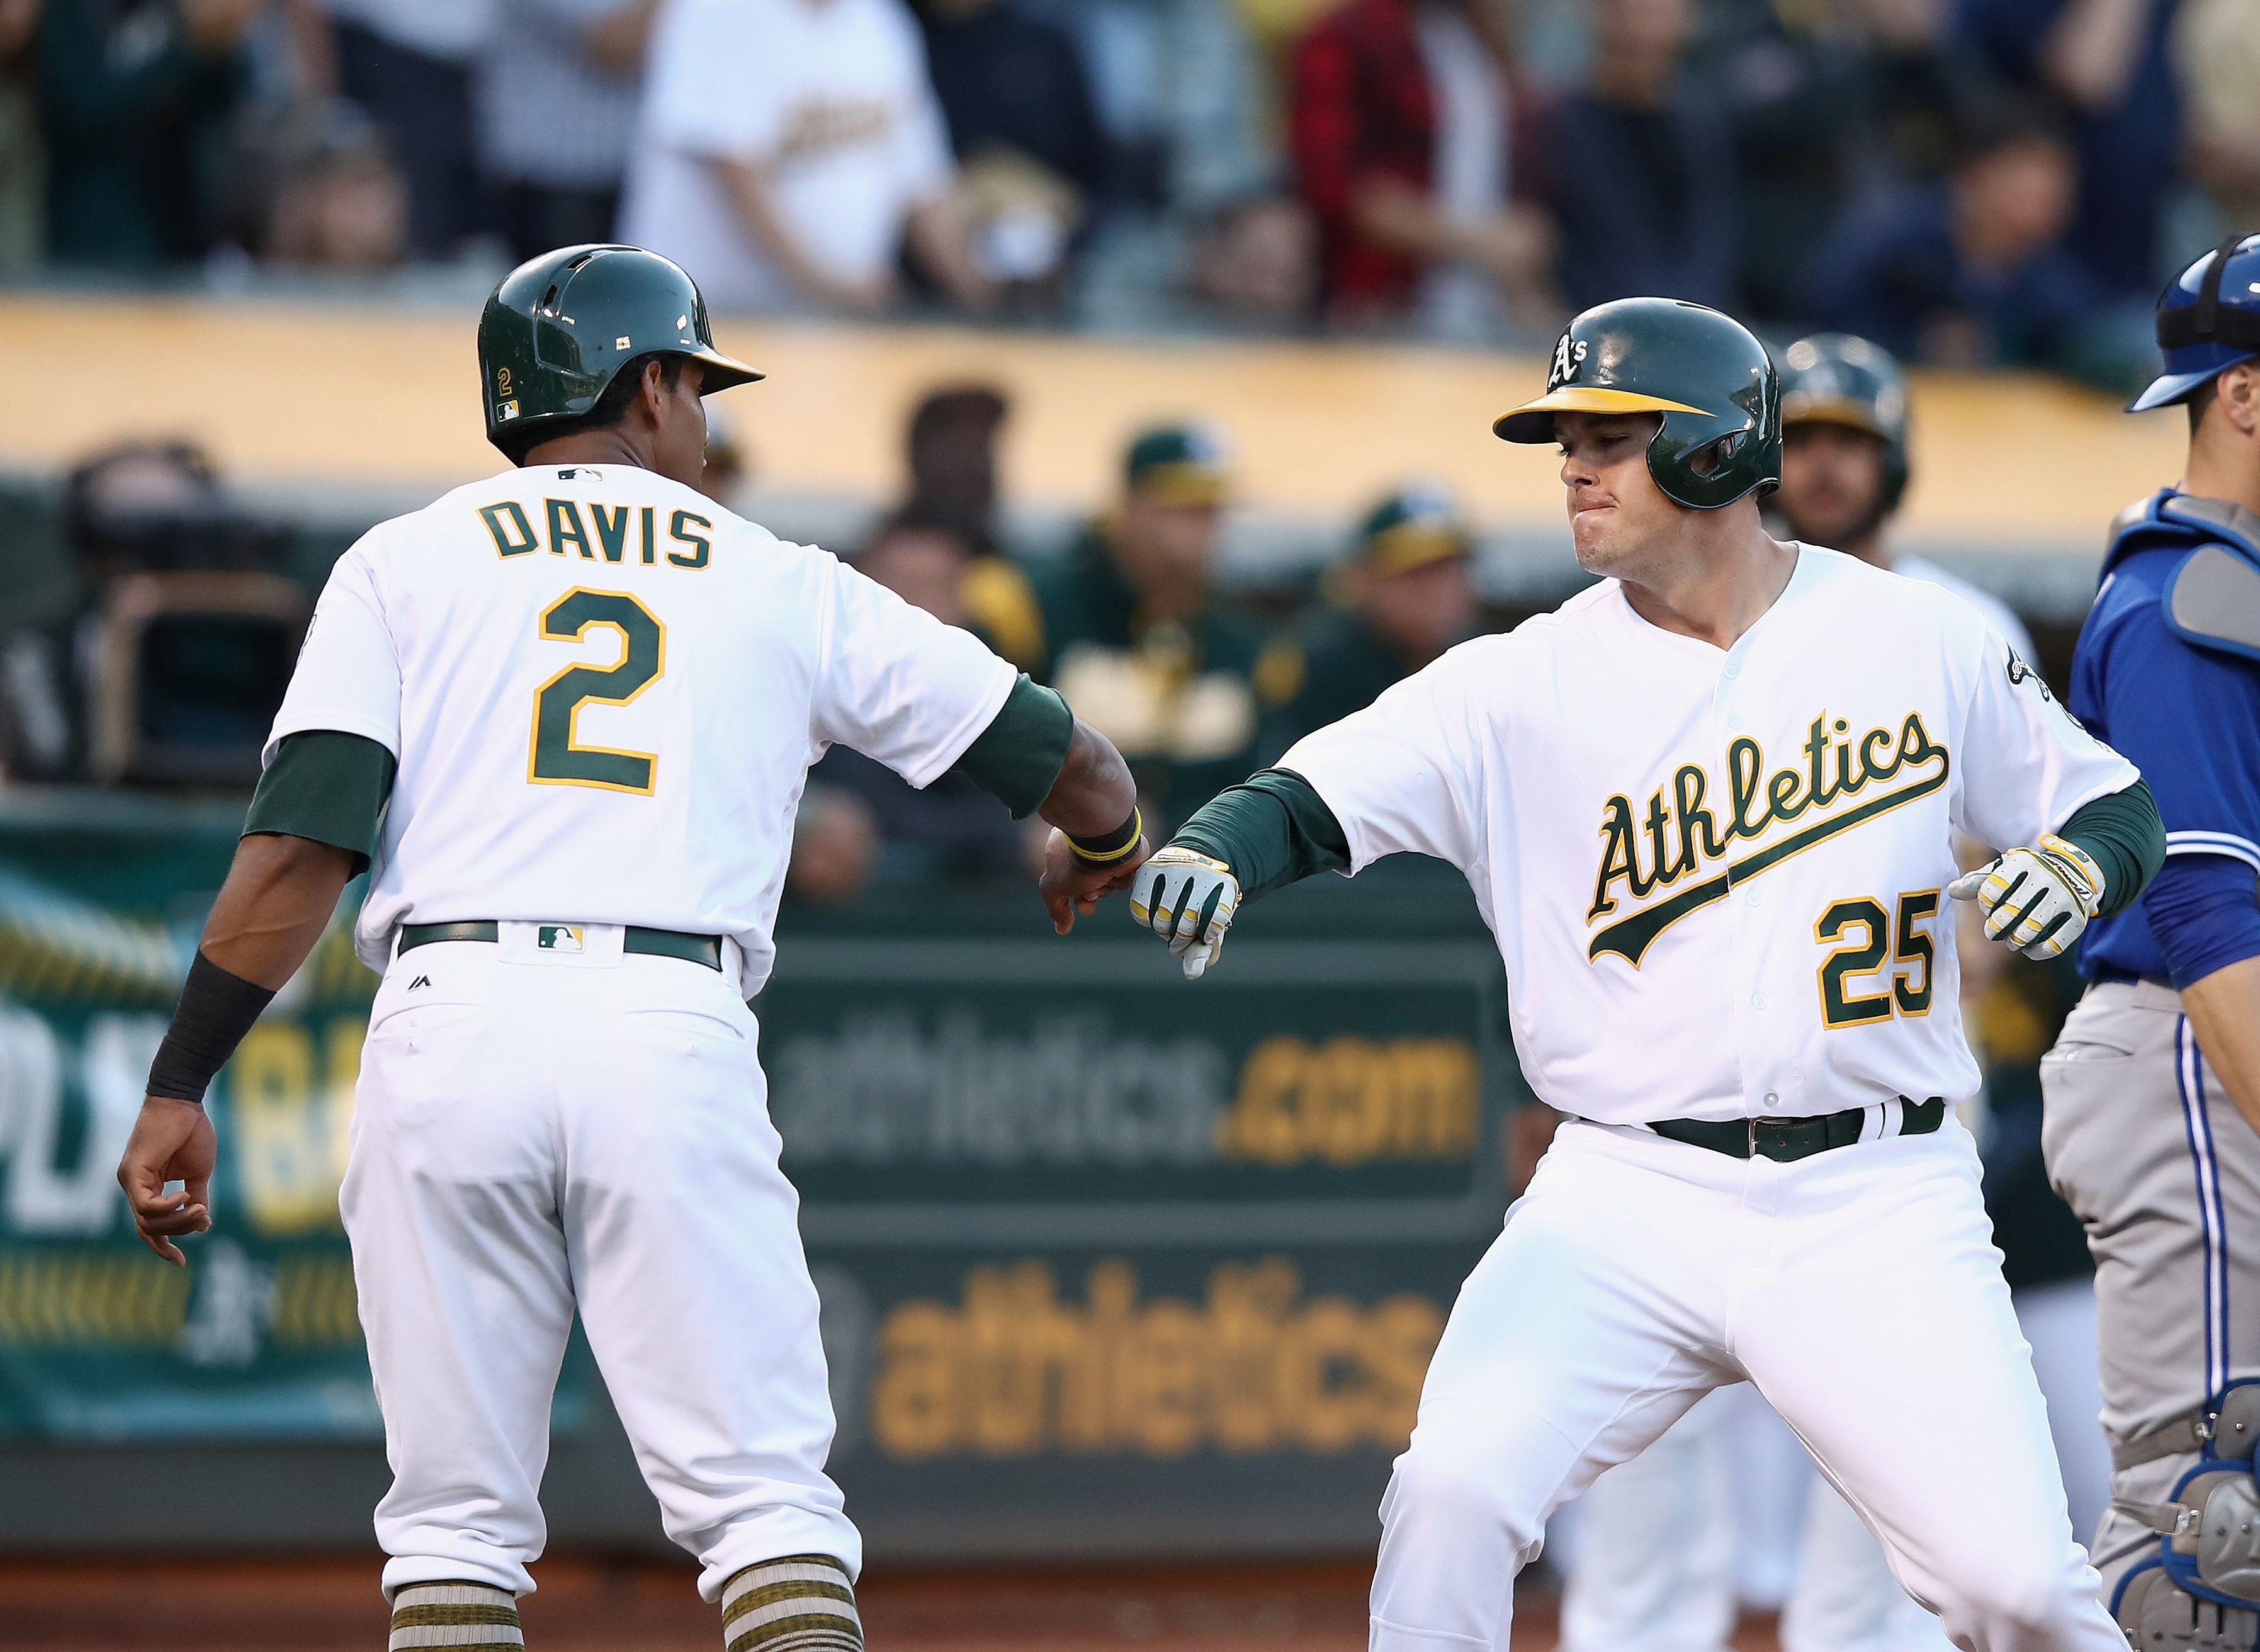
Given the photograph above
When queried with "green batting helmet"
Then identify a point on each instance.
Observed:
(1705, 372)
(560, 327)
(1836, 378)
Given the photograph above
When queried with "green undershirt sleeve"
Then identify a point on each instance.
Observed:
(1272, 829)
(327, 786)
(2122, 833)
(1018, 756)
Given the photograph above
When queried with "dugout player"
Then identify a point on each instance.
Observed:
(1708, 808)
(563, 715)
(2153, 1090)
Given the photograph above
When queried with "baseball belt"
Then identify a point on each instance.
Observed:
(650, 943)
(1786, 1141)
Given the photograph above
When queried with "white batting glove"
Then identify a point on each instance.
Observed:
(2037, 900)
(1188, 900)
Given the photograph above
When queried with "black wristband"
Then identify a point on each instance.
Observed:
(216, 1009)
(1110, 847)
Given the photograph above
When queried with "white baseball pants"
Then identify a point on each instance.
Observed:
(1858, 1289)
(1655, 1565)
(538, 1130)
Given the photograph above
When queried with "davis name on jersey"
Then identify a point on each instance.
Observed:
(1717, 876)
(604, 692)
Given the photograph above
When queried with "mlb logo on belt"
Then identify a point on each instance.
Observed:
(557, 938)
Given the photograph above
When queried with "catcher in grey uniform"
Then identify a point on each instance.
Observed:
(2153, 1091)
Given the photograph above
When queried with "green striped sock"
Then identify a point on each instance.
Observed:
(804, 1603)
(456, 1616)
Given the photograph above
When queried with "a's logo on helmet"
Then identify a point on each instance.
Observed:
(501, 381)
(1569, 356)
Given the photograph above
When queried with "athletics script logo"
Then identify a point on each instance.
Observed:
(1679, 836)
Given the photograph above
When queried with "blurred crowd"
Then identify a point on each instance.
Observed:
(1967, 182)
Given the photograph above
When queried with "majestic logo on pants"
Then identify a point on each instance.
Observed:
(1679, 835)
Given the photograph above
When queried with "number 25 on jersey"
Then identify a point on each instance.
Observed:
(1866, 937)
(558, 757)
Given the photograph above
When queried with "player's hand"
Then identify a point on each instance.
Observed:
(1189, 901)
(2037, 900)
(172, 1141)
(1068, 886)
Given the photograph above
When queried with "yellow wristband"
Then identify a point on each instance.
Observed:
(1118, 845)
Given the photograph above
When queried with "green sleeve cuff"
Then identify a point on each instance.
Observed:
(325, 786)
(2122, 834)
(1018, 756)
(1272, 829)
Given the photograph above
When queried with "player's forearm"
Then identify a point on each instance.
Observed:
(2224, 1013)
(277, 900)
(1272, 829)
(2122, 834)
(1093, 794)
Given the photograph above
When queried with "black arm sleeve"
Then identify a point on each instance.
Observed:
(1018, 756)
(1272, 829)
(326, 786)
(2120, 833)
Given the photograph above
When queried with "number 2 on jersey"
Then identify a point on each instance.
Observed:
(558, 758)
(1873, 939)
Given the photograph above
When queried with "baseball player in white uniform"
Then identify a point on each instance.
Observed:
(1708, 809)
(1845, 468)
(564, 715)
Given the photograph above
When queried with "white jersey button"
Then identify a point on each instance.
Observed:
(1772, 1097)
(1757, 1000)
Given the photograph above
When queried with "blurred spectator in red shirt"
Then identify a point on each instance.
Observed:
(1403, 122)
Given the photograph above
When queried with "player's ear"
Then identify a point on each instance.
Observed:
(2238, 392)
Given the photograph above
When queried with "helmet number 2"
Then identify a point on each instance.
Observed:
(558, 758)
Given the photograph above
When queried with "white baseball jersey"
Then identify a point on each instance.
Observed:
(604, 691)
(1717, 877)
(1997, 613)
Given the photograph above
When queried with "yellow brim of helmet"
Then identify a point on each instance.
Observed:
(1829, 410)
(1534, 421)
(723, 372)
(1410, 545)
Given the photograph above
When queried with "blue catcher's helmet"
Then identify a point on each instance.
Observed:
(2208, 321)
